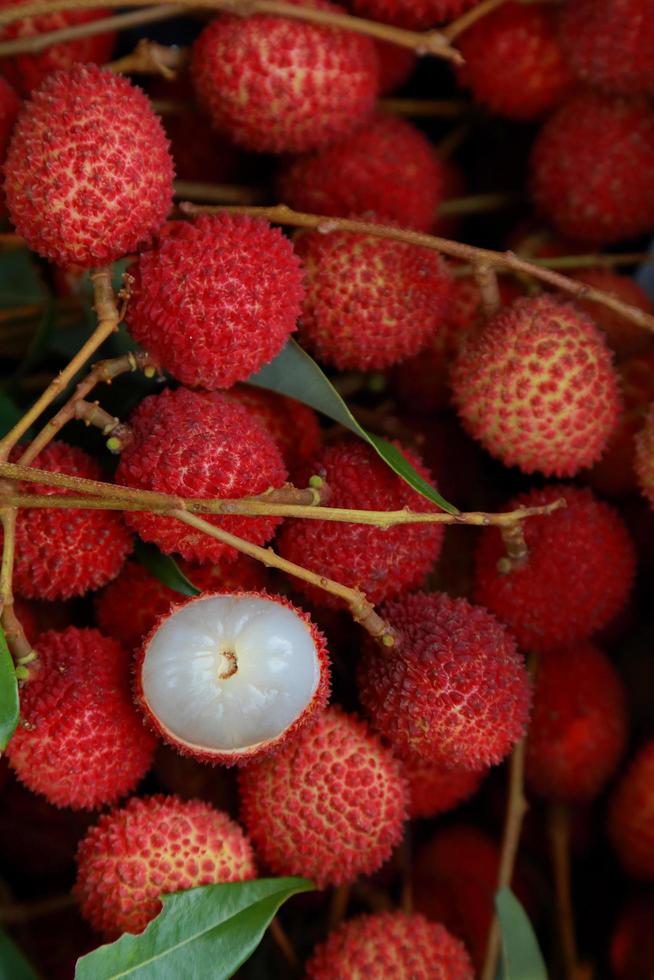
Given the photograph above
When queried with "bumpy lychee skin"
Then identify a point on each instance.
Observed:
(623, 336)
(81, 742)
(644, 456)
(88, 176)
(284, 86)
(434, 789)
(578, 725)
(329, 805)
(9, 107)
(130, 605)
(390, 944)
(576, 578)
(227, 678)
(592, 168)
(387, 167)
(455, 692)
(380, 562)
(631, 815)
(370, 302)
(65, 553)
(538, 388)
(199, 444)
(610, 44)
(26, 71)
(412, 13)
(216, 298)
(151, 846)
(513, 61)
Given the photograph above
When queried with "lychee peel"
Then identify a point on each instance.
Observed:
(434, 789)
(631, 815)
(413, 14)
(644, 456)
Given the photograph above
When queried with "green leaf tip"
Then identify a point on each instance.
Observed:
(164, 568)
(9, 707)
(521, 955)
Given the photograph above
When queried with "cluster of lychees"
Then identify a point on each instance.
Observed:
(543, 386)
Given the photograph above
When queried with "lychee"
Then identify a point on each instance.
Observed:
(216, 298)
(513, 62)
(88, 176)
(537, 387)
(66, 552)
(10, 106)
(390, 944)
(624, 337)
(396, 65)
(330, 805)
(632, 942)
(26, 71)
(380, 561)
(370, 302)
(610, 44)
(80, 741)
(412, 13)
(128, 607)
(578, 727)
(644, 456)
(230, 677)
(434, 789)
(202, 445)
(151, 846)
(631, 815)
(386, 168)
(593, 168)
(575, 579)
(454, 691)
(284, 86)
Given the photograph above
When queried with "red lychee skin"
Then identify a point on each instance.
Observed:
(26, 71)
(330, 805)
(284, 86)
(610, 44)
(411, 13)
(537, 387)
(624, 337)
(9, 108)
(261, 750)
(88, 175)
(28, 618)
(390, 944)
(130, 605)
(578, 727)
(293, 426)
(632, 941)
(434, 790)
(154, 845)
(396, 66)
(197, 444)
(216, 298)
(631, 815)
(513, 61)
(380, 562)
(386, 167)
(370, 302)
(576, 578)
(644, 456)
(81, 742)
(455, 691)
(592, 168)
(62, 553)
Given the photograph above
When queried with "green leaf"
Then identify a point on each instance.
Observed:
(297, 375)
(164, 568)
(13, 965)
(203, 932)
(8, 693)
(521, 956)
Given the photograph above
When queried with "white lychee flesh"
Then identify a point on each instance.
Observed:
(228, 673)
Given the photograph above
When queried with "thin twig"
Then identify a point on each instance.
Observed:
(118, 434)
(426, 108)
(152, 58)
(217, 193)
(284, 944)
(489, 289)
(22, 912)
(466, 20)
(338, 905)
(558, 826)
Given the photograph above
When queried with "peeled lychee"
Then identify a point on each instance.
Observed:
(80, 741)
(578, 727)
(279, 85)
(63, 552)
(380, 561)
(390, 944)
(412, 13)
(631, 815)
(454, 691)
(537, 387)
(387, 168)
(216, 298)
(149, 847)
(199, 444)
(576, 578)
(593, 168)
(434, 789)
(370, 302)
(330, 805)
(513, 62)
(229, 677)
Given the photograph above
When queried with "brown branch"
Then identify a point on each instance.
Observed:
(340, 899)
(22, 912)
(426, 108)
(489, 290)
(118, 434)
(466, 20)
(517, 552)
(283, 215)
(217, 193)
(281, 940)
(151, 58)
(558, 826)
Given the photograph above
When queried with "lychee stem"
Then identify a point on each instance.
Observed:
(340, 899)
(118, 434)
(466, 20)
(284, 944)
(558, 827)
(283, 215)
(426, 108)
(489, 290)
(152, 58)
(22, 912)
